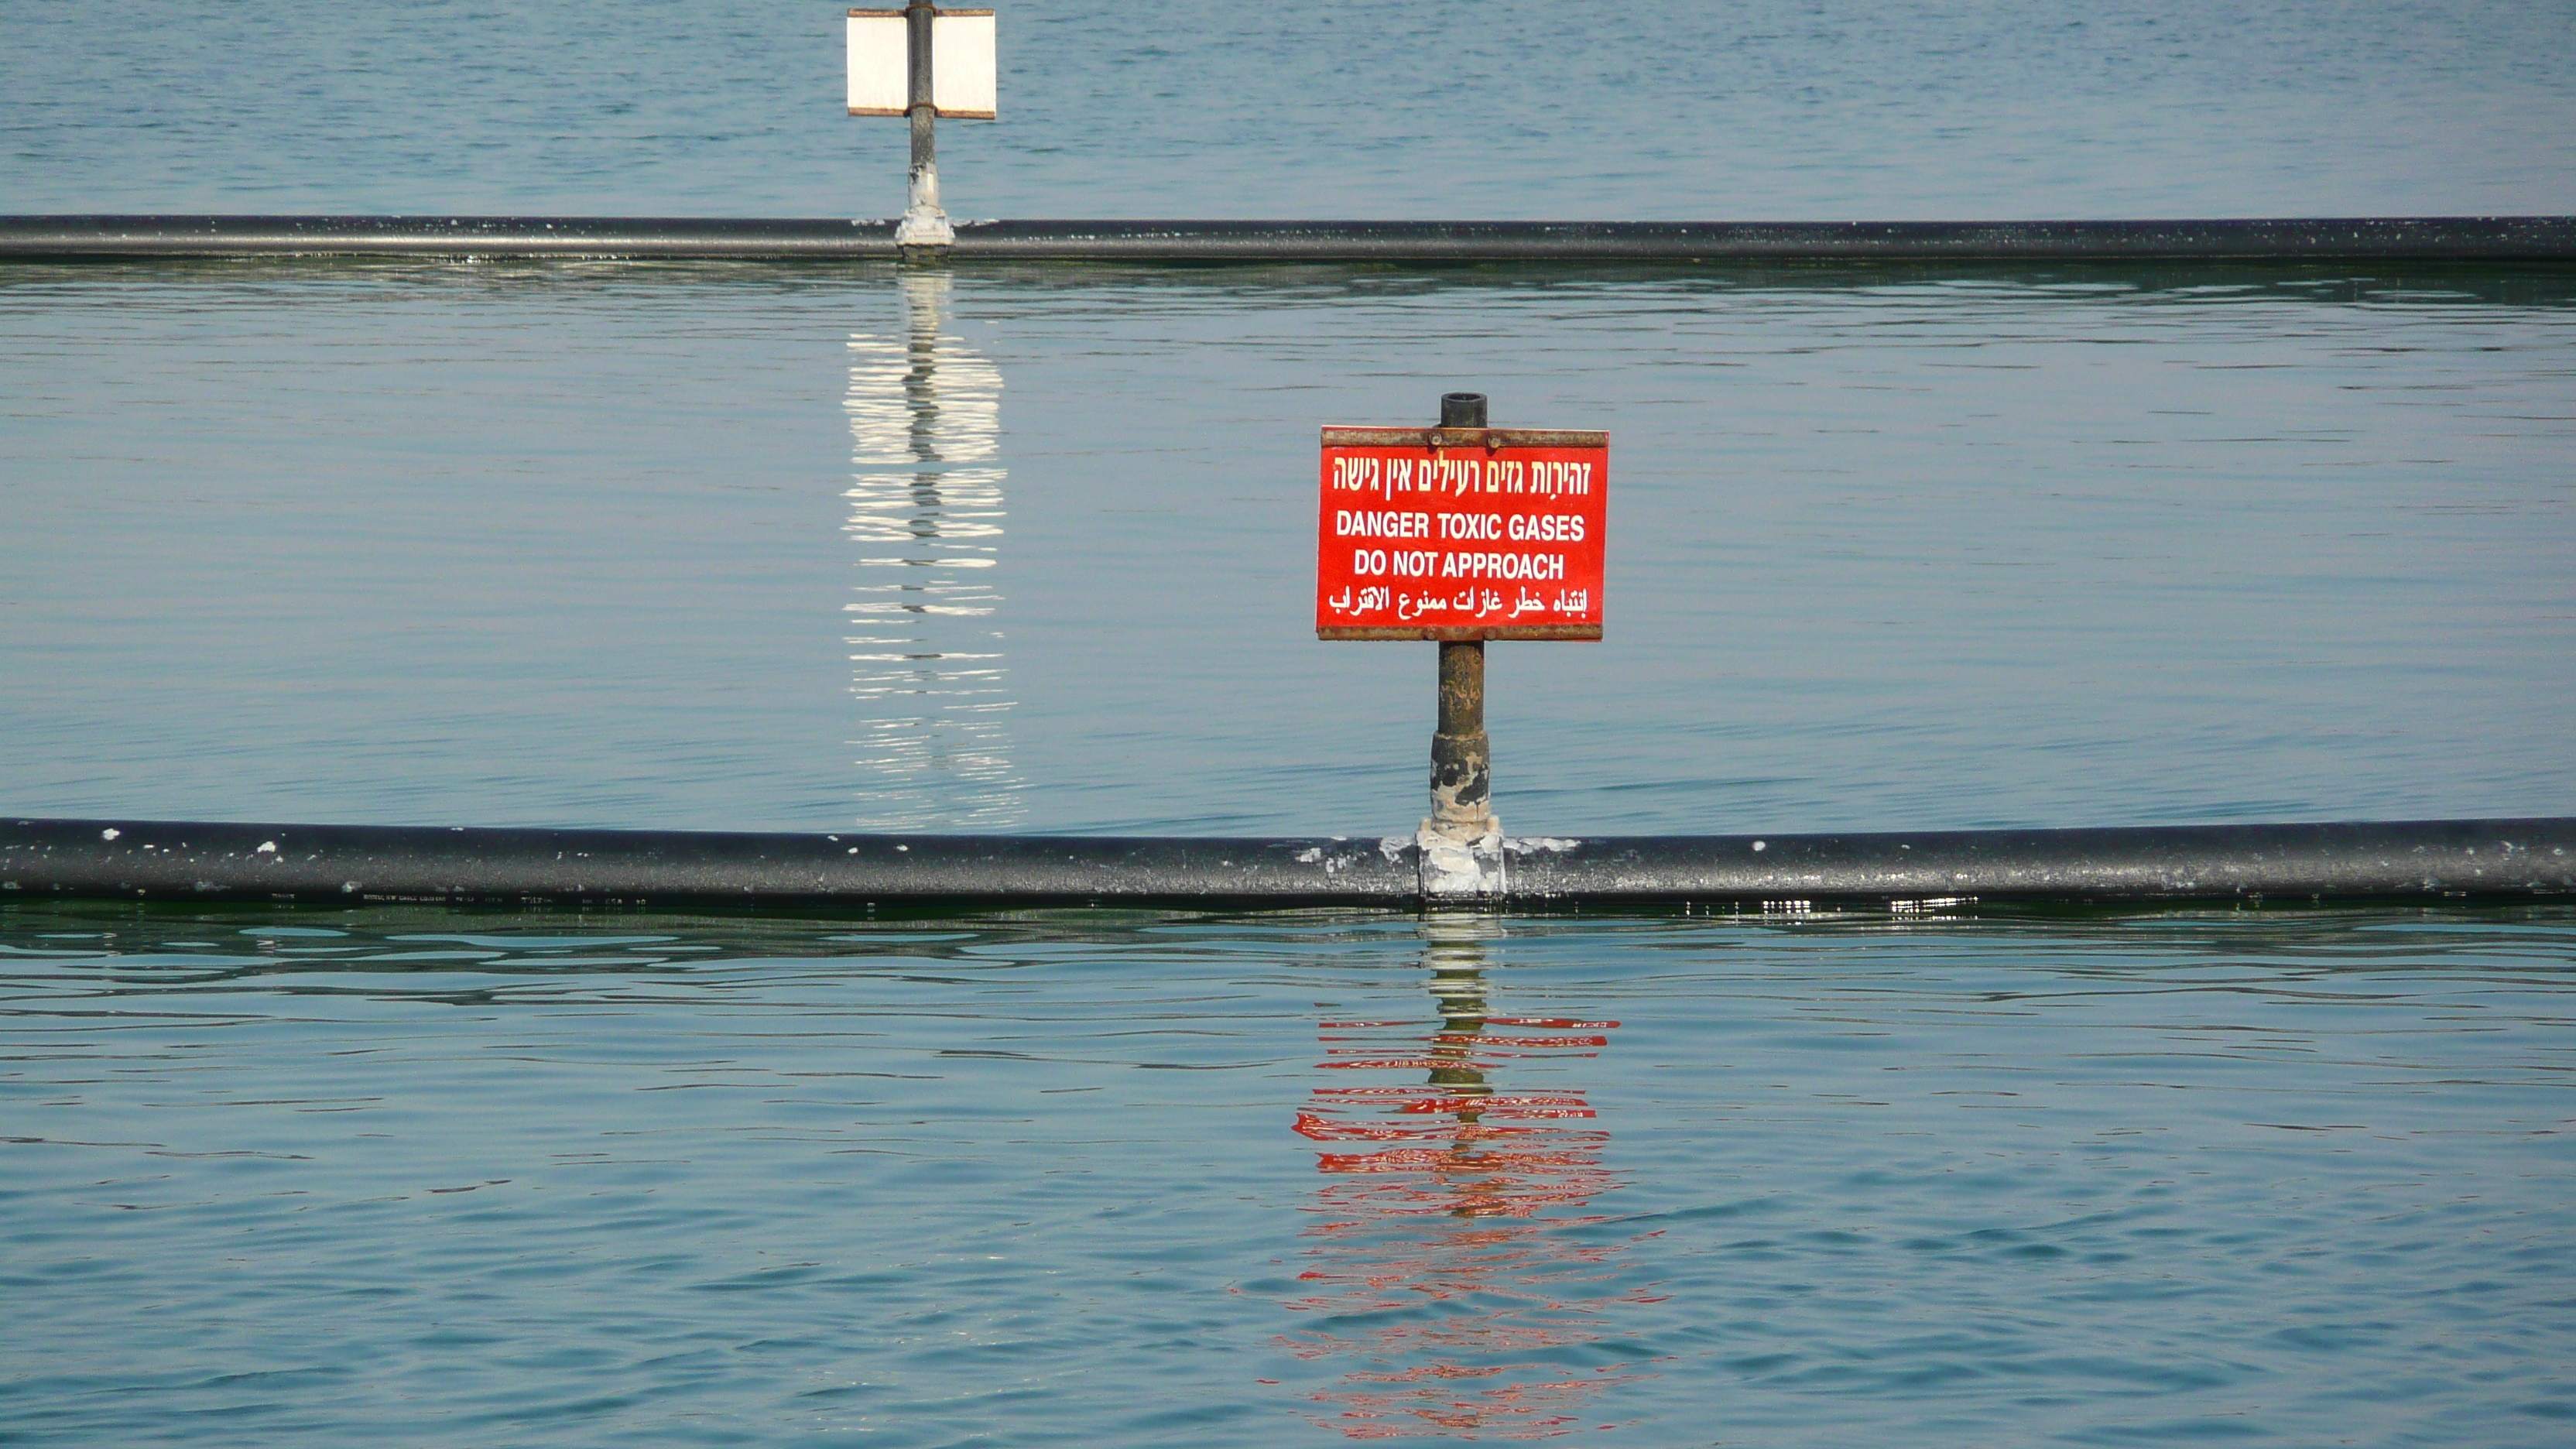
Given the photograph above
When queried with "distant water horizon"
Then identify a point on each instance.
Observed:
(1777, 109)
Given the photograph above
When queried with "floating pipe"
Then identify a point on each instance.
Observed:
(2419, 861)
(2325, 239)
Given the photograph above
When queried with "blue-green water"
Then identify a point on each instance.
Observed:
(653, 546)
(1025, 549)
(1408, 108)
(446, 1179)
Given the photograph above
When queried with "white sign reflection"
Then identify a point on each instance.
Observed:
(926, 511)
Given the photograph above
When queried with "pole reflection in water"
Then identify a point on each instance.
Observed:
(1441, 1265)
(926, 510)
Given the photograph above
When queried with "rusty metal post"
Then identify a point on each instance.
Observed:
(1462, 764)
(1461, 757)
(924, 225)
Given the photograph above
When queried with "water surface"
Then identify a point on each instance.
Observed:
(1031, 549)
(1409, 108)
(451, 1178)
(1026, 549)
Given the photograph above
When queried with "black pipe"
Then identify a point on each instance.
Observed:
(2418, 861)
(2344, 239)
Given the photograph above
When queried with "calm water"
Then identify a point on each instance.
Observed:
(1404, 108)
(1026, 550)
(1032, 550)
(453, 1179)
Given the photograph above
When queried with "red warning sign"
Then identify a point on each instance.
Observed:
(1461, 533)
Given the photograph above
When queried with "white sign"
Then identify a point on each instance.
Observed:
(962, 71)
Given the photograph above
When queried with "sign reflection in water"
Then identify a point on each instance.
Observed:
(926, 510)
(1441, 1267)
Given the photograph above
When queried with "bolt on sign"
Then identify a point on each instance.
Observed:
(1461, 533)
(962, 70)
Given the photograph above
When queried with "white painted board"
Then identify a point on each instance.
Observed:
(877, 63)
(963, 72)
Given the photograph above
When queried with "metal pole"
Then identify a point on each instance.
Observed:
(1461, 757)
(924, 224)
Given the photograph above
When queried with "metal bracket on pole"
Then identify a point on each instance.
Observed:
(924, 232)
(1460, 845)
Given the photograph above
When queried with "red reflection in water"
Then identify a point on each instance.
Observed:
(1441, 1263)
